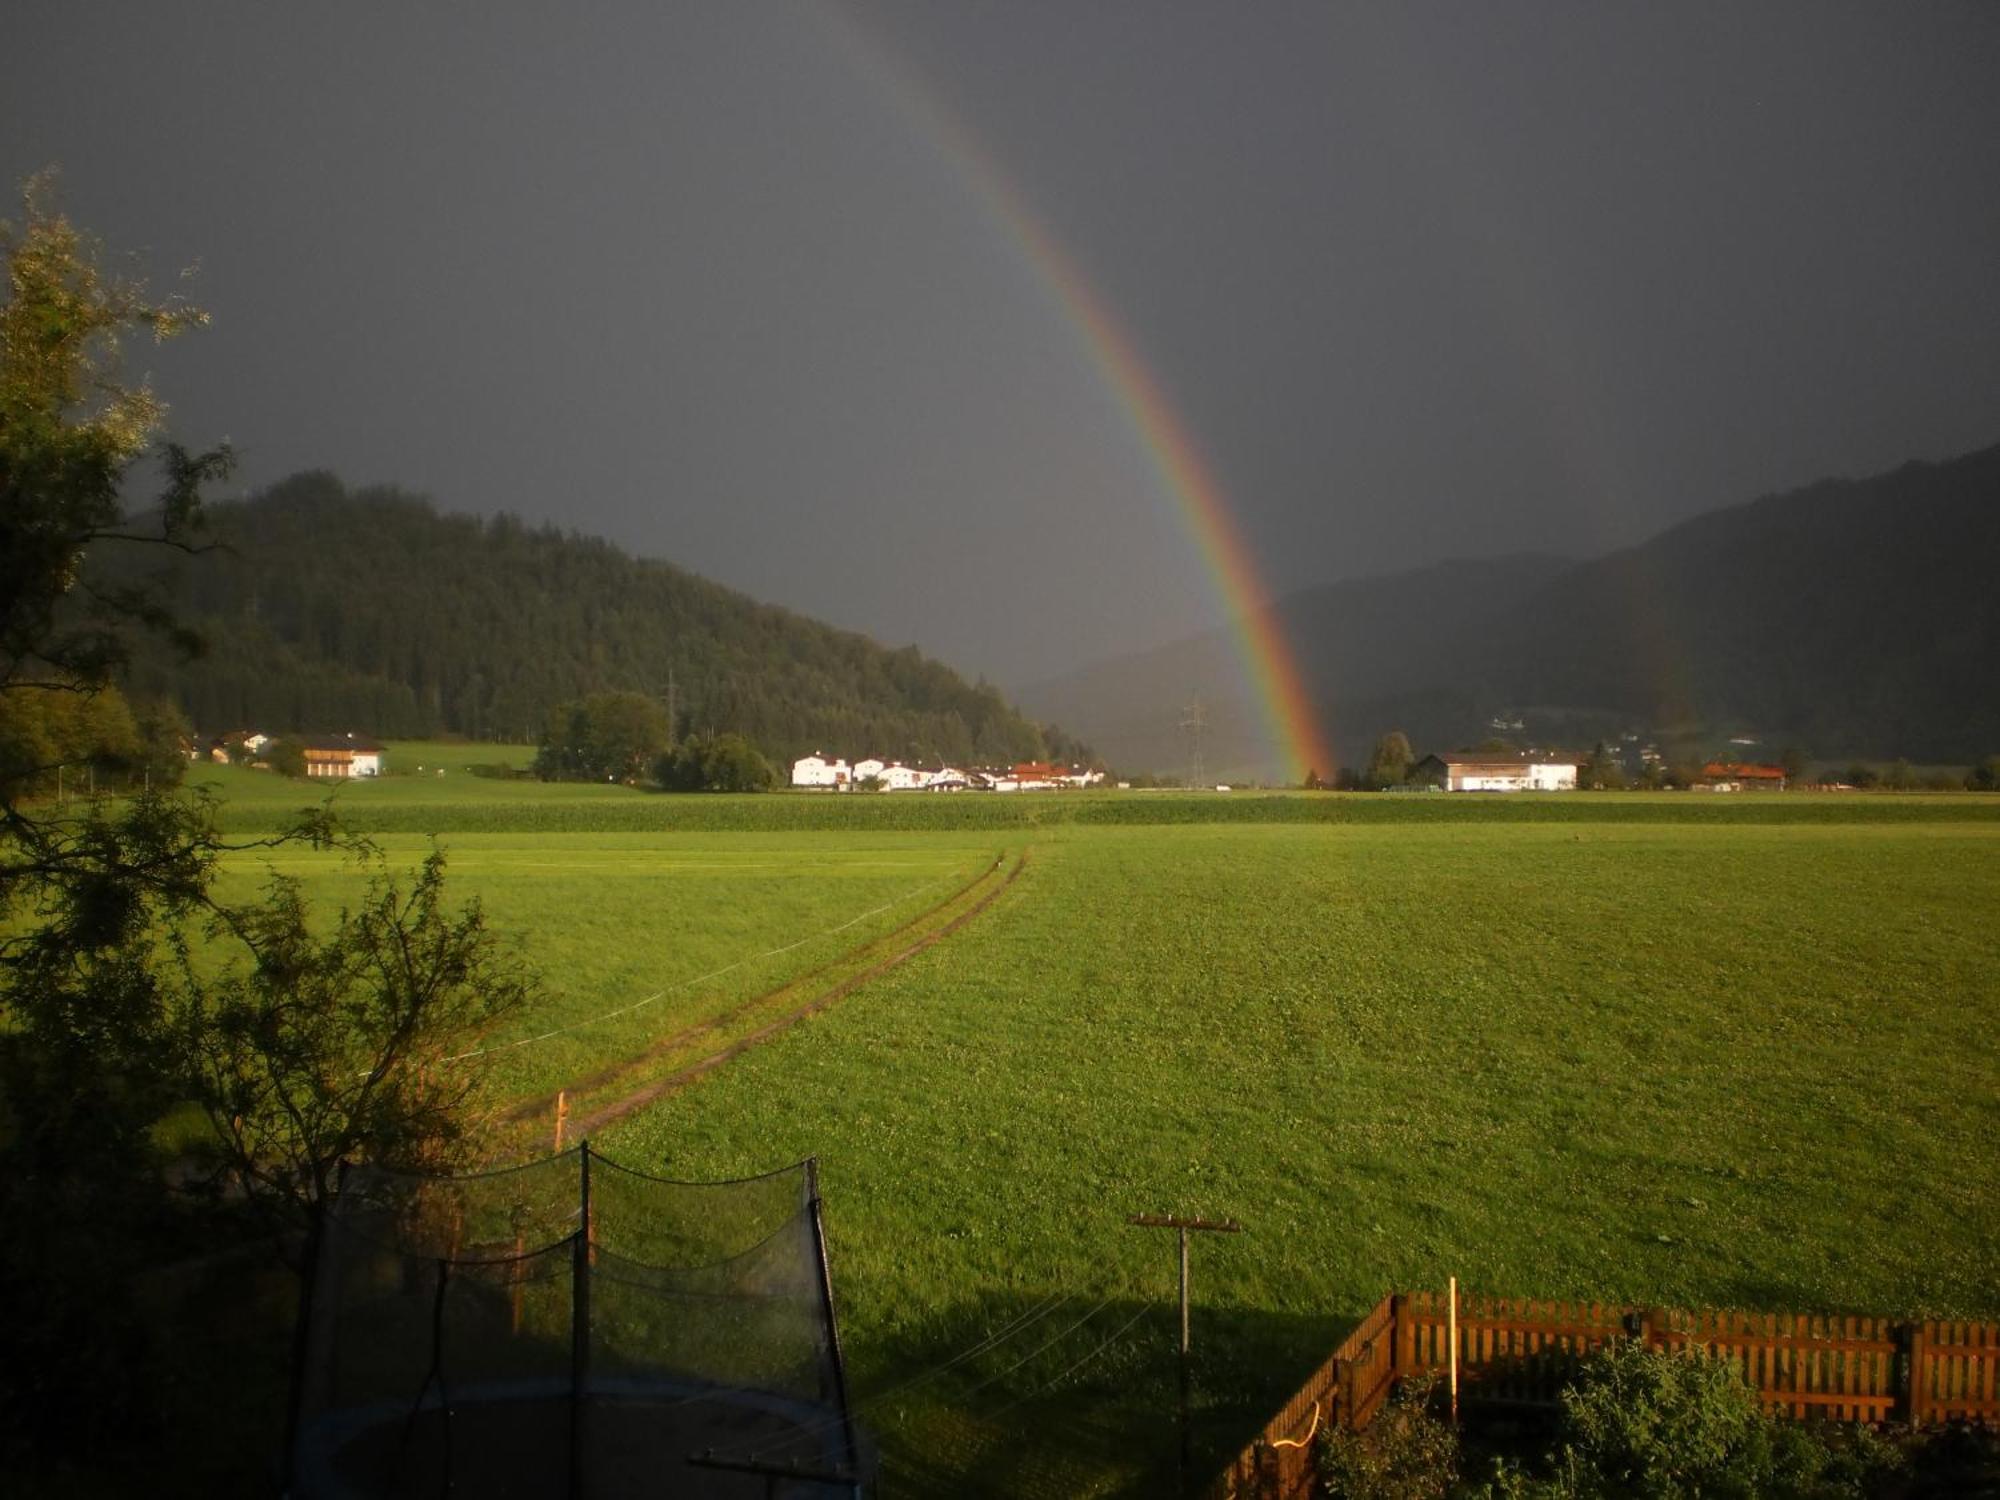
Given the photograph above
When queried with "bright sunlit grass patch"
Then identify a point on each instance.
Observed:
(1692, 1050)
(638, 935)
(1732, 1064)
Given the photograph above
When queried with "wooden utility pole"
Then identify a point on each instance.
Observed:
(1185, 1226)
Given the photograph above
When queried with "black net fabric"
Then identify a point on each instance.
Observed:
(571, 1328)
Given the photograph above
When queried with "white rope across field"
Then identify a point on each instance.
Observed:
(626, 1010)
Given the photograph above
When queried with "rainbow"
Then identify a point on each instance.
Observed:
(1291, 721)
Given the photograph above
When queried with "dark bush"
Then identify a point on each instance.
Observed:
(1409, 1452)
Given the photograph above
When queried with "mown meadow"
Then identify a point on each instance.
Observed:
(1686, 1049)
(1736, 1065)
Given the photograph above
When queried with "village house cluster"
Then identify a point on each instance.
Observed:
(338, 759)
(1550, 771)
(836, 775)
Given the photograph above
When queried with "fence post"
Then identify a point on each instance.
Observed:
(1399, 1337)
(1652, 1327)
(1916, 1361)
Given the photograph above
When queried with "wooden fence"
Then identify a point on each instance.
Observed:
(1521, 1353)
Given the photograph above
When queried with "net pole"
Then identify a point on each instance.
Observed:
(832, 1322)
(579, 1347)
(302, 1334)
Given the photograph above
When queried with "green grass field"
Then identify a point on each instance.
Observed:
(636, 935)
(1746, 1065)
(1687, 1049)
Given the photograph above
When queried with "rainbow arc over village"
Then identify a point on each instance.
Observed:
(1292, 721)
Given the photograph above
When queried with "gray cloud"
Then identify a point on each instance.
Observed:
(1420, 281)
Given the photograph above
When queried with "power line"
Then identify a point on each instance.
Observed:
(1012, 1329)
(1194, 719)
(1071, 1369)
(1035, 1353)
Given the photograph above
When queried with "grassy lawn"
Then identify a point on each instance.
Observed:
(1686, 1049)
(638, 936)
(1741, 1064)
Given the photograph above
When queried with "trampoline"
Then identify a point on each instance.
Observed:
(571, 1328)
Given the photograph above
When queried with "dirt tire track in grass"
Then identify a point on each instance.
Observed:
(618, 1109)
(539, 1107)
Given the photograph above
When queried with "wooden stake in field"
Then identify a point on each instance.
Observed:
(562, 1116)
(1170, 1221)
(1451, 1341)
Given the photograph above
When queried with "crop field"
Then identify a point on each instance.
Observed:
(1683, 1049)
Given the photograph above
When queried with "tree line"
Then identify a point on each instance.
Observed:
(326, 609)
(627, 737)
(133, 988)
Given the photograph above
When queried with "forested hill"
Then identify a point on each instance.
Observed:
(329, 609)
(1855, 618)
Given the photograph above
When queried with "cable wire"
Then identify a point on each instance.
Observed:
(1013, 1328)
(1116, 1334)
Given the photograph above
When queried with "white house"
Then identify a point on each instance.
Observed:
(945, 779)
(1501, 772)
(817, 770)
(863, 769)
(341, 760)
(897, 777)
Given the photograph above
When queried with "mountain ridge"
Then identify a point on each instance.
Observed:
(1851, 616)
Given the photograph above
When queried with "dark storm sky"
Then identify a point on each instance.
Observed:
(1420, 280)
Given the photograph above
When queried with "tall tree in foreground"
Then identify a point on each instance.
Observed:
(345, 1043)
(82, 894)
(126, 985)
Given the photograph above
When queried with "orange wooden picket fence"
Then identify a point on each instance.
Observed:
(1520, 1353)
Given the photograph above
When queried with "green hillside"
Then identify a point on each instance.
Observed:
(329, 609)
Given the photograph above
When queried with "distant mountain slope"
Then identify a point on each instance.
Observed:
(367, 610)
(1371, 642)
(1850, 617)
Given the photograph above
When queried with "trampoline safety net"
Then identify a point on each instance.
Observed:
(571, 1328)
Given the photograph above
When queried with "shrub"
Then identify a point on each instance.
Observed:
(286, 757)
(1651, 1422)
(1642, 1422)
(1407, 1453)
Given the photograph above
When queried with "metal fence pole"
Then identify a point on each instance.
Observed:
(579, 1312)
(832, 1322)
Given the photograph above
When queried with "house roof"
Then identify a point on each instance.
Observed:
(1717, 770)
(1513, 760)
